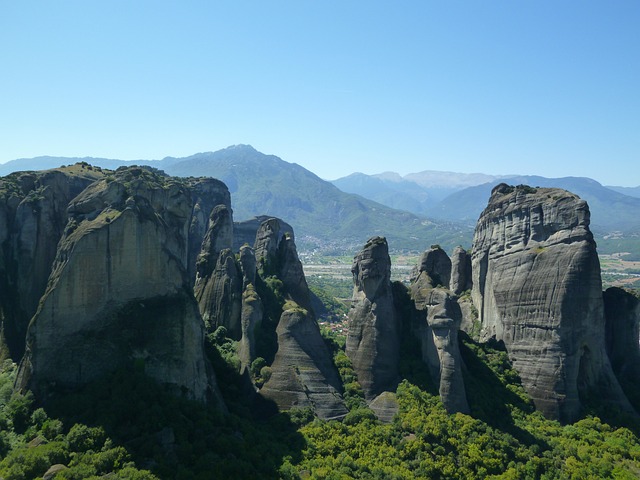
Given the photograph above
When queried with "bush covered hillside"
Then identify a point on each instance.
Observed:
(125, 425)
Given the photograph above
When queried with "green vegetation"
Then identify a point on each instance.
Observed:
(128, 426)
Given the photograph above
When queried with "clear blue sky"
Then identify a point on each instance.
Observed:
(533, 87)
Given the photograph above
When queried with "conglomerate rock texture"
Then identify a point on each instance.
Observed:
(373, 341)
(537, 287)
(119, 291)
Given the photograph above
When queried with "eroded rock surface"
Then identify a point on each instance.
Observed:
(460, 271)
(436, 263)
(537, 287)
(373, 338)
(303, 374)
(302, 371)
(206, 194)
(622, 313)
(33, 215)
(439, 319)
(119, 291)
(219, 281)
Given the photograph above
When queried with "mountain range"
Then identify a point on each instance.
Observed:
(411, 211)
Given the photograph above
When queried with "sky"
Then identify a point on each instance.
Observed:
(540, 87)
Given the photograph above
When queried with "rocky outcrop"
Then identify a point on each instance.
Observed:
(460, 271)
(537, 287)
(373, 338)
(250, 322)
(244, 233)
(119, 292)
(219, 281)
(206, 194)
(302, 372)
(33, 215)
(622, 314)
(439, 319)
(219, 295)
(436, 263)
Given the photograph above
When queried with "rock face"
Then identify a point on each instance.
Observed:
(250, 321)
(33, 214)
(303, 374)
(206, 194)
(436, 263)
(622, 313)
(218, 285)
(244, 233)
(119, 291)
(439, 319)
(460, 271)
(373, 338)
(537, 287)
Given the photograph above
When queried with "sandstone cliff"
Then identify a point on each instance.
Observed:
(537, 287)
(119, 292)
(373, 338)
(33, 214)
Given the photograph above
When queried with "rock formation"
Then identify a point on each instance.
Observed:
(33, 214)
(250, 321)
(460, 271)
(373, 338)
(244, 233)
(439, 319)
(218, 285)
(436, 263)
(302, 372)
(119, 292)
(206, 194)
(537, 287)
(622, 313)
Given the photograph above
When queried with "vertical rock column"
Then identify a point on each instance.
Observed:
(537, 287)
(439, 319)
(373, 338)
(303, 374)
